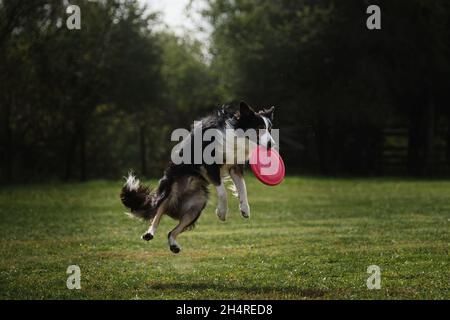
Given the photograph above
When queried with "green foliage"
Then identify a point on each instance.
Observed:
(337, 84)
(191, 88)
(96, 102)
(93, 102)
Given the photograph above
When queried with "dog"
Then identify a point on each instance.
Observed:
(182, 192)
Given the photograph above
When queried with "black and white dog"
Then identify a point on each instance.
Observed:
(182, 192)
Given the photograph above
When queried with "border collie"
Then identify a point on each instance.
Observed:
(182, 192)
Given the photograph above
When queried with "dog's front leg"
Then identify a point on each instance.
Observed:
(238, 180)
(222, 203)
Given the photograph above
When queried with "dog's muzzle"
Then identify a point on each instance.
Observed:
(266, 140)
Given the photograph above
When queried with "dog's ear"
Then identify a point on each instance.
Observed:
(268, 113)
(245, 110)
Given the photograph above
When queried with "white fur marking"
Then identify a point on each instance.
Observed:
(132, 183)
(239, 182)
(232, 188)
(266, 137)
(222, 205)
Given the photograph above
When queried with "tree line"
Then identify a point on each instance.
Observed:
(96, 102)
(340, 85)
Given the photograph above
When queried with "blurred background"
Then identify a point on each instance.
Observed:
(96, 102)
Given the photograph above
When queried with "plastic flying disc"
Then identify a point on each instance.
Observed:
(267, 165)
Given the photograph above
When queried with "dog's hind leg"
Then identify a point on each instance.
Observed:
(238, 180)
(186, 221)
(155, 223)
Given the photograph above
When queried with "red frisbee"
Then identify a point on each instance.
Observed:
(267, 165)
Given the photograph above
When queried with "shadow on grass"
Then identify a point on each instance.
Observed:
(250, 290)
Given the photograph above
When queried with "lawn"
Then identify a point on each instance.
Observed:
(309, 238)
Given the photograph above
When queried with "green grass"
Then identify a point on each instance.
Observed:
(309, 238)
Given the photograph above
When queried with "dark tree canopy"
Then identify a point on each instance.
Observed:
(338, 85)
(96, 102)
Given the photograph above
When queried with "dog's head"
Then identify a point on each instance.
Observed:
(260, 121)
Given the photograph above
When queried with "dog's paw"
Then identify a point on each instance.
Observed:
(245, 210)
(147, 236)
(175, 249)
(222, 213)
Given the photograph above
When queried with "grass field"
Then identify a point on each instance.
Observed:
(309, 238)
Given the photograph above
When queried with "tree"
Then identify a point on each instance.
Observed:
(319, 63)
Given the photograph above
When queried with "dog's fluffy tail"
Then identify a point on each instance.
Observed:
(137, 198)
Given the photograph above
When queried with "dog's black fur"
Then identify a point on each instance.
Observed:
(183, 190)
